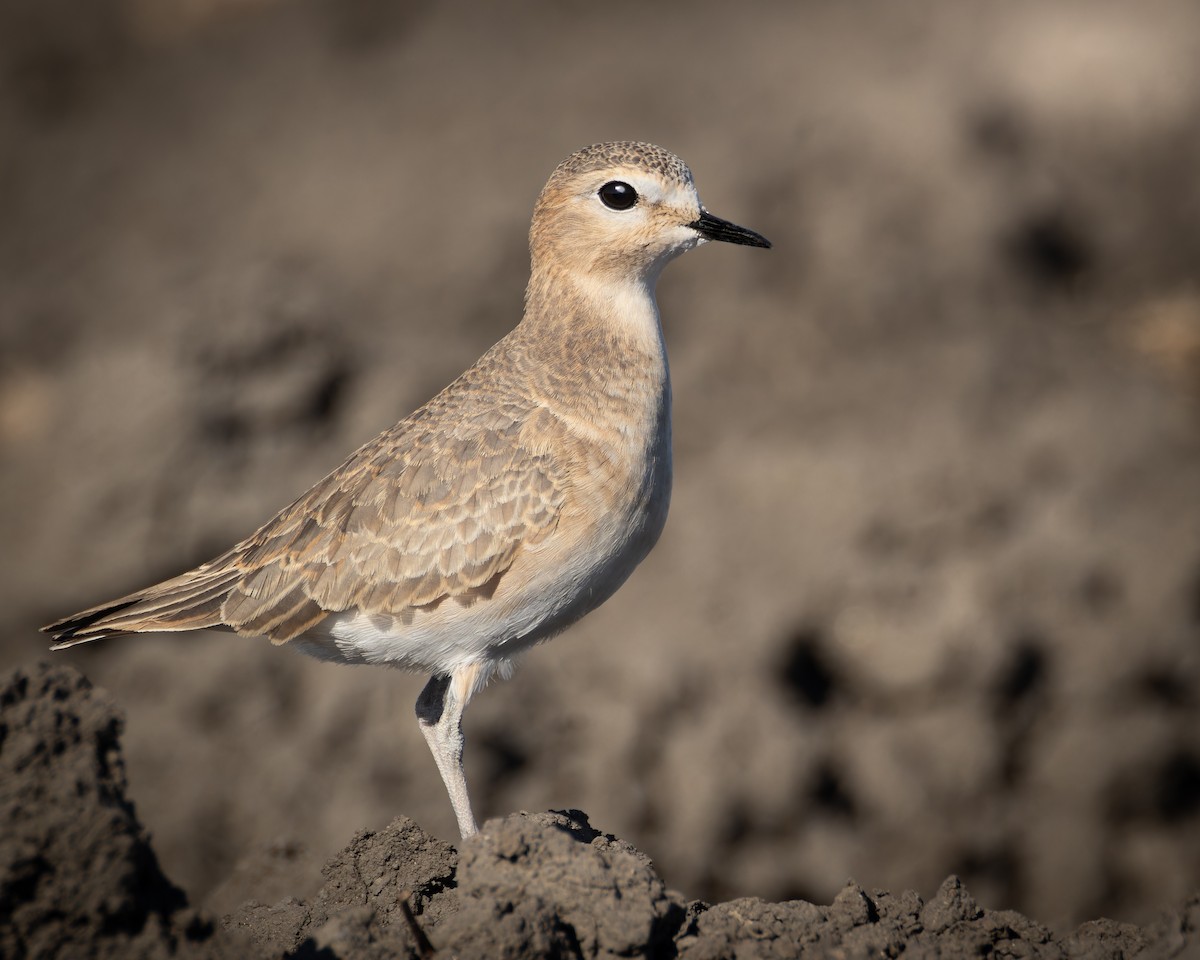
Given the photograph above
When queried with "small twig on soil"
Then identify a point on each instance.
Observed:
(425, 949)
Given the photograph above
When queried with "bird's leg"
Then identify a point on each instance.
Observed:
(439, 712)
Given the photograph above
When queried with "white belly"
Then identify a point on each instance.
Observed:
(550, 586)
(491, 631)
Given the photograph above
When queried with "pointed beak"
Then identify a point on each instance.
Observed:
(714, 228)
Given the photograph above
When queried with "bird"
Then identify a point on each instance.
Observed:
(504, 509)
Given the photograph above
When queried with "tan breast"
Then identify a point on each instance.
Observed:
(605, 409)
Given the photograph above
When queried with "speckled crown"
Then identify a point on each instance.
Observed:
(624, 153)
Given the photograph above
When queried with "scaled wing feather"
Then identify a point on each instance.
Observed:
(401, 525)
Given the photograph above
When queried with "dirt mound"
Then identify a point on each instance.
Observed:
(79, 879)
(77, 874)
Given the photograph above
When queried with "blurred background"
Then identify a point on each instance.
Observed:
(929, 597)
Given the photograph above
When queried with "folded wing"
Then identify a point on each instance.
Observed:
(418, 516)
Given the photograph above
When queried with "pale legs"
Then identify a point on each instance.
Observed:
(439, 712)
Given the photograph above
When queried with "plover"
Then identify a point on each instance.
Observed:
(508, 506)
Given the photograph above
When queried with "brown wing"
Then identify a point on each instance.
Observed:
(435, 508)
(407, 522)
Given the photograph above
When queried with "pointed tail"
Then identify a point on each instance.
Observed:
(188, 602)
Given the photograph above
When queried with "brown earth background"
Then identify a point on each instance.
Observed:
(928, 601)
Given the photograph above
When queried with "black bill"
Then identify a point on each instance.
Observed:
(714, 228)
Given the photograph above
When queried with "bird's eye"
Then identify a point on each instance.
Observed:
(617, 195)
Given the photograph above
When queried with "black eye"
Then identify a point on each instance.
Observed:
(617, 195)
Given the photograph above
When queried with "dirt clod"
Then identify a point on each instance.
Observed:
(78, 876)
(79, 880)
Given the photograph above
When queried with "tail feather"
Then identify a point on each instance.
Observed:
(189, 602)
(85, 626)
(169, 605)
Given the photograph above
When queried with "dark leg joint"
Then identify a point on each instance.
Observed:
(432, 700)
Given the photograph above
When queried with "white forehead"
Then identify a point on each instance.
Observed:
(652, 186)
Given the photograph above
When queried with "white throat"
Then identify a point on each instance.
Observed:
(628, 308)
